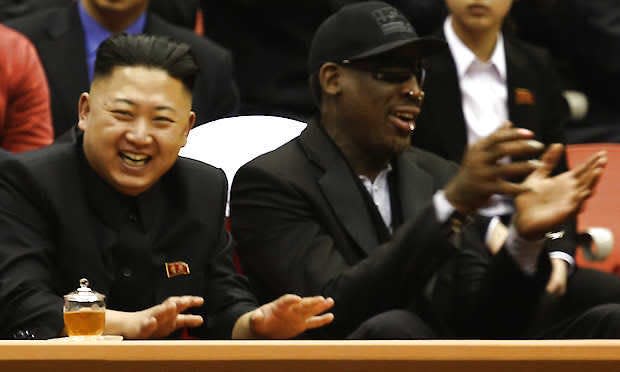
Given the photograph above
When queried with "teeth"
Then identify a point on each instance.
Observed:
(405, 115)
(134, 159)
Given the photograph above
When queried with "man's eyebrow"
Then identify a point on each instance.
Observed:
(168, 108)
(131, 103)
(124, 100)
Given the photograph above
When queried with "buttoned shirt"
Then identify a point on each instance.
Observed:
(524, 252)
(484, 95)
(62, 222)
(379, 191)
(95, 34)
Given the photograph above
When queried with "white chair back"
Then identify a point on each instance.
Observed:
(231, 142)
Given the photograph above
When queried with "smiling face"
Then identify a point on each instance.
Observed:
(379, 114)
(478, 15)
(135, 120)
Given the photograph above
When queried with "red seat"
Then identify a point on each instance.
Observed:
(603, 209)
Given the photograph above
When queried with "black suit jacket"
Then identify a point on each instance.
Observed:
(441, 126)
(57, 226)
(59, 38)
(304, 227)
(535, 102)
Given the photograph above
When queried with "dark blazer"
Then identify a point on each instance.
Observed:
(441, 126)
(59, 39)
(535, 102)
(304, 227)
(57, 226)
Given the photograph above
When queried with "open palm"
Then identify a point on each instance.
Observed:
(549, 201)
(291, 315)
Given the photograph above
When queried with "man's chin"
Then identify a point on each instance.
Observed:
(132, 188)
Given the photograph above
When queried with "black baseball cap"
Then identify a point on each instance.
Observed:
(367, 29)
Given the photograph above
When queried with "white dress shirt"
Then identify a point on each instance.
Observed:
(379, 191)
(524, 252)
(484, 95)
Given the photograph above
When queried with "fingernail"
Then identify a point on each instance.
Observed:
(525, 131)
(536, 163)
(535, 144)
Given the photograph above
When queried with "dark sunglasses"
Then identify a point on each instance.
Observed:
(390, 72)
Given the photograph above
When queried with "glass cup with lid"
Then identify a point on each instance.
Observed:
(84, 312)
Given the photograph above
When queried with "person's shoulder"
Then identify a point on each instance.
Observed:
(11, 37)
(288, 158)
(198, 186)
(201, 46)
(22, 50)
(48, 157)
(34, 25)
(530, 52)
(192, 166)
(46, 169)
(195, 172)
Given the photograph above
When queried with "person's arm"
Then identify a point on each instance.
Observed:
(285, 247)
(28, 302)
(555, 115)
(28, 121)
(489, 287)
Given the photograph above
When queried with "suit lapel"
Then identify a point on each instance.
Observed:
(339, 187)
(444, 92)
(414, 185)
(65, 57)
(519, 88)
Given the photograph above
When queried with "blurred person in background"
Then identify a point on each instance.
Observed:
(67, 39)
(25, 116)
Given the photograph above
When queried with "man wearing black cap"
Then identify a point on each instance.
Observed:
(350, 210)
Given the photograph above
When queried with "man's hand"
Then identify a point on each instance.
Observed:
(551, 200)
(284, 318)
(482, 174)
(155, 322)
(559, 276)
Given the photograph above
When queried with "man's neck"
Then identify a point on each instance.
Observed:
(114, 21)
(481, 43)
(364, 162)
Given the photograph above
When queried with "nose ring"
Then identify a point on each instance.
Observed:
(419, 96)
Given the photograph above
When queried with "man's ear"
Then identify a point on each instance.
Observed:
(330, 78)
(190, 124)
(83, 110)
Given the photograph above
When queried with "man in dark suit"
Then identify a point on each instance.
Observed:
(67, 40)
(350, 210)
(485, 78)
(121, 209)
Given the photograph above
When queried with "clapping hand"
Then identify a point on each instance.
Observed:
(482, 174)
(549, 201)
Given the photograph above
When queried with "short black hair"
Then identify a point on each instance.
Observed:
(161, 52)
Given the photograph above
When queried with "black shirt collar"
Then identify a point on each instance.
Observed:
(115, 208)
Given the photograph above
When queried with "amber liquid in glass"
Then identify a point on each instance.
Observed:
(85, 322)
